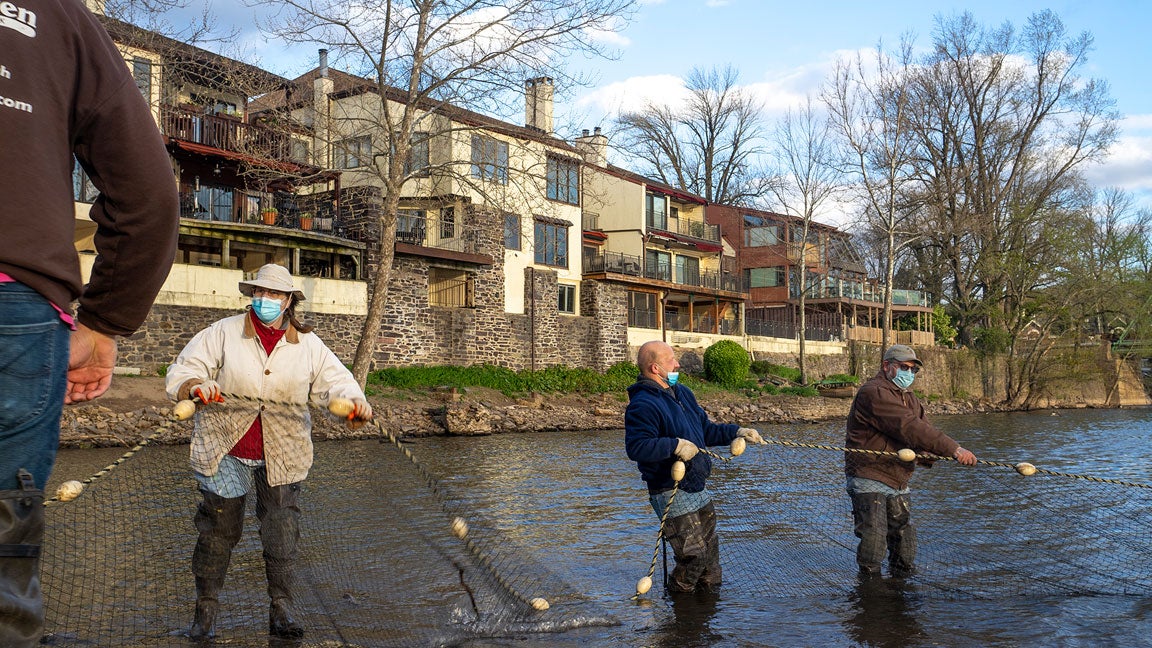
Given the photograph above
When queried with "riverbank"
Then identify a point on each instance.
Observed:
(136, 407)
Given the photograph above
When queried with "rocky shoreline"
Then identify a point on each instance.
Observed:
(462, 413)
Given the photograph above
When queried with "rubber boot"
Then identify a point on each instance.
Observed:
(279, 514)
(696, 548)
(870, 524)
(21, 534)
(220, 521)
(901, 537)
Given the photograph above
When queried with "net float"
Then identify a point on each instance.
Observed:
(69, 490)
(341, 407)
(643, 585)
(539, 603)
(906, 454)
(459, 528)
(678, 469)
(184, 410)
(1026, 469)
(738, 446)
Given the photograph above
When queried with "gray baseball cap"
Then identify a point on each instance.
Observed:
(902, 353)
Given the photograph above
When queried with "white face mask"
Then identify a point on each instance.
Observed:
(903, 378)
(267, 308)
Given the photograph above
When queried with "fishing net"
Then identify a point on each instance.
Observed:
(785, 518)
(117, 559)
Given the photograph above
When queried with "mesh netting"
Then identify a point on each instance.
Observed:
(1050, 533)
(116, 568)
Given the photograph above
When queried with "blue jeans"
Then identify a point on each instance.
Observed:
(33, 375)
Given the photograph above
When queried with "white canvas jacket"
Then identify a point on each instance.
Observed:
(280, 385)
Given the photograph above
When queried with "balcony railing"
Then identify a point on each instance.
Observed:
(291, 212)
(631, 265)
(685, 226)
(441, 232)
(225, 132)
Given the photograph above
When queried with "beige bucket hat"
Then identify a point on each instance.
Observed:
(271, 277)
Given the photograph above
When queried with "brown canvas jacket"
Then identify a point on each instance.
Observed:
(886, 418)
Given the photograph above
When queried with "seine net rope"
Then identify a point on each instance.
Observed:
(1050, 533)
(380, 562)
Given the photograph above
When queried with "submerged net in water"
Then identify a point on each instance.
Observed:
(785, 528)
(383, 561)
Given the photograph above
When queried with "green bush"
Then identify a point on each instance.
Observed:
(552, 379)
(726, 363)
(762, 368)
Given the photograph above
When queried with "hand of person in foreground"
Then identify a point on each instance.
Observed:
(208, 392)
(91, 359)
(685, 450)
(964, 457)
(751, 436)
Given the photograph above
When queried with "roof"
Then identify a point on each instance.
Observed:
(654, 185)
(298, 93)
(198, 65)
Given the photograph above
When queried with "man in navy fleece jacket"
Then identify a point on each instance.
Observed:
(663, 424)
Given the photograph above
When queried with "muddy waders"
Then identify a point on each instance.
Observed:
(696, 548)
(220, 521)
(279, 515)
(883, 524)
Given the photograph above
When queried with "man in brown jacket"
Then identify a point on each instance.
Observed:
(886, 416)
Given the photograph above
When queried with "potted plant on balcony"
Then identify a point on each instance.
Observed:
(269, 215)
(305, 220)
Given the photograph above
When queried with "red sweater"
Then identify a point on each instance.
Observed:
(66, 91)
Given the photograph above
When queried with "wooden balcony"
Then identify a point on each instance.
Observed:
(226, 132)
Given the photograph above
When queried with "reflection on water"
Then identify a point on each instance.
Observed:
(575, 503)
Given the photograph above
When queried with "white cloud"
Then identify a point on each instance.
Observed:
(1129, 163)
(611, 34)
(634, 94)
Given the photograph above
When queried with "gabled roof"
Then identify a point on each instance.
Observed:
(650, 183)
(299, 93)
(198, 65)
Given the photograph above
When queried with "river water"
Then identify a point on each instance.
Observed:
(577, 506)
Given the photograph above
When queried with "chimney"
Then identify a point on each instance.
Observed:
(538, 104)
(323, 63)
(322, 87)
(593, 147)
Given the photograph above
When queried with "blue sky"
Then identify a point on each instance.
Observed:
(784, 50)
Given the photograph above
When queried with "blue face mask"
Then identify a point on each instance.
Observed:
(267, 309)
(673, 377)
(904, 378)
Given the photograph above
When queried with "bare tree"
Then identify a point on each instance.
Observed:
(708, 145)
(804, 178)
(1003, 125)
(868, 104)
(425, 58)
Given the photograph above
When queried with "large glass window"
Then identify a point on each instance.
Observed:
(760, 232)
(688, 270)
(417, 162)
(354, 152)
(656, 209)
(551, 244)
(657, 265)
(642, 310)
(765, 277)
(564, 180)
(213, 203)
(489, 159)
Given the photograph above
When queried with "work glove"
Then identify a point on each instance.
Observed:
(685, 450)
(361, 410)
(208, 392)
(750, 435)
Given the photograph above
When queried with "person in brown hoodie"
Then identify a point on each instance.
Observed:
(886, 416)
(66, 98)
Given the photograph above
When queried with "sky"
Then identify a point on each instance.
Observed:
(784, 51)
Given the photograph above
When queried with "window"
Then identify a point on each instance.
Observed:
(212, 203)
(567, 303)
(489, 159)
(411, 226)
(226, 108)
(300, 151)
(353, 153)
(655, 208)
(551, 243)
(564, 180)
(688, 270)
(657, 265)
(417, 162)
(765, 277)
(142, 72)
(449, 287)
(447, 222)
(642, 310)
(82, 188)
(759, 232)
(512, 231)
